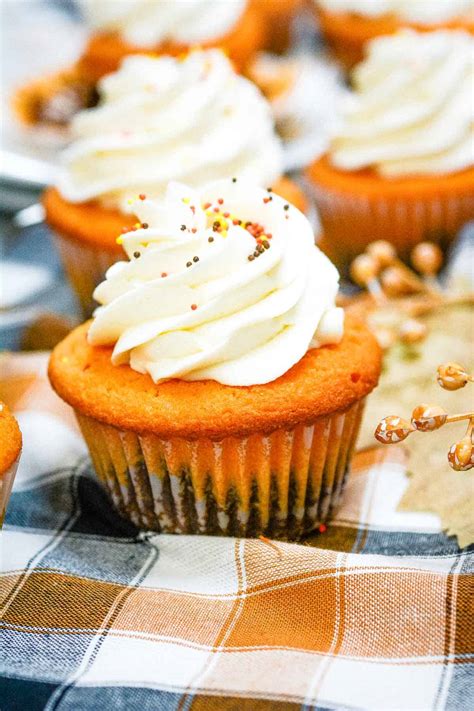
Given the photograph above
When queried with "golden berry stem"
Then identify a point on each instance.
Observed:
(413, 279)
(459, 418)
(376, 291)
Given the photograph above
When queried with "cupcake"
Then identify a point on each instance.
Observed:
(10, 450)
(193, 120)
(348, 25)
(218, 388)
(401, 167)
(168, 27)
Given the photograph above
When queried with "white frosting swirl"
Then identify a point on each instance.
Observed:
(423, 12)
(163, 119)
(191, 304)
(412, 112)
(148, 23)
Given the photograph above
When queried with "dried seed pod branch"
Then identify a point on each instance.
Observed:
(398, 288)
(428, 418)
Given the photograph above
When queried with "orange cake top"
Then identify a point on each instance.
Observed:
(105, 50)
(326, 380)
(10, 438)
(368, 182)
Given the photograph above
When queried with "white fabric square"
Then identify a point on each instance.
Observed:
(385, 687)
(18, 547)
(141, 662)
(194, 564)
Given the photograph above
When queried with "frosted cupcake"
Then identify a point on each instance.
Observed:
(218, 388)
(402, 166)
(162, 119)
(10, 450)
(168, 27)
(348, 25)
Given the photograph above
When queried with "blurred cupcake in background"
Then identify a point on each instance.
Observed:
(347, 25)
(168, 27)
(306, 95)
(10, 450)
(219, 388)
(159, 119)
(402, 166)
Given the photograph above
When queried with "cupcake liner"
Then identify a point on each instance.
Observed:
(6, 483)
(351, 222)
(282, 484)
(85, 266)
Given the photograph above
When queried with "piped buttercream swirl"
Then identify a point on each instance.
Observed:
(145, 23)
(423, 12)
(412, 111)
(225, 284)
(162, 119)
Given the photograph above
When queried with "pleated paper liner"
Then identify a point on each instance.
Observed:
(6, 482)
(351, 221)
(85, 266)
(282, 485)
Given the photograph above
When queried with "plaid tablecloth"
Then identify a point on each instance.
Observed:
(374, 613)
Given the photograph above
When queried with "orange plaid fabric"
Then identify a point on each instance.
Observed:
(374, 613)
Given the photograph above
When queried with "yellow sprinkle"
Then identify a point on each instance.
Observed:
(186, 200)
(130, 201)
(137, 225)
(119, 240)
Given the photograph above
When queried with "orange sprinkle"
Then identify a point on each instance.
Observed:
(270, 543)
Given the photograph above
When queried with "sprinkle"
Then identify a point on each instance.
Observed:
(189, 264)
(183, 227)
(164, 274)
(234, 180)
(145, 225)
(220, 201)
(195, 259)
(137, 254)
(206, 206)
(251, 257)
(269, 235)
(322, 528)
(269, 190)
(186, 200)
(236, 222)
(142, 196)
(260, 249)
(286, 207)
(210, 239)
(193, 209)
(266, 244)
(216, 209)
(130, 201)
(119, 240)
(137, 225)
(194, 230)
(267, 199)
(226, 214)
(256, 253)
(194, 307)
